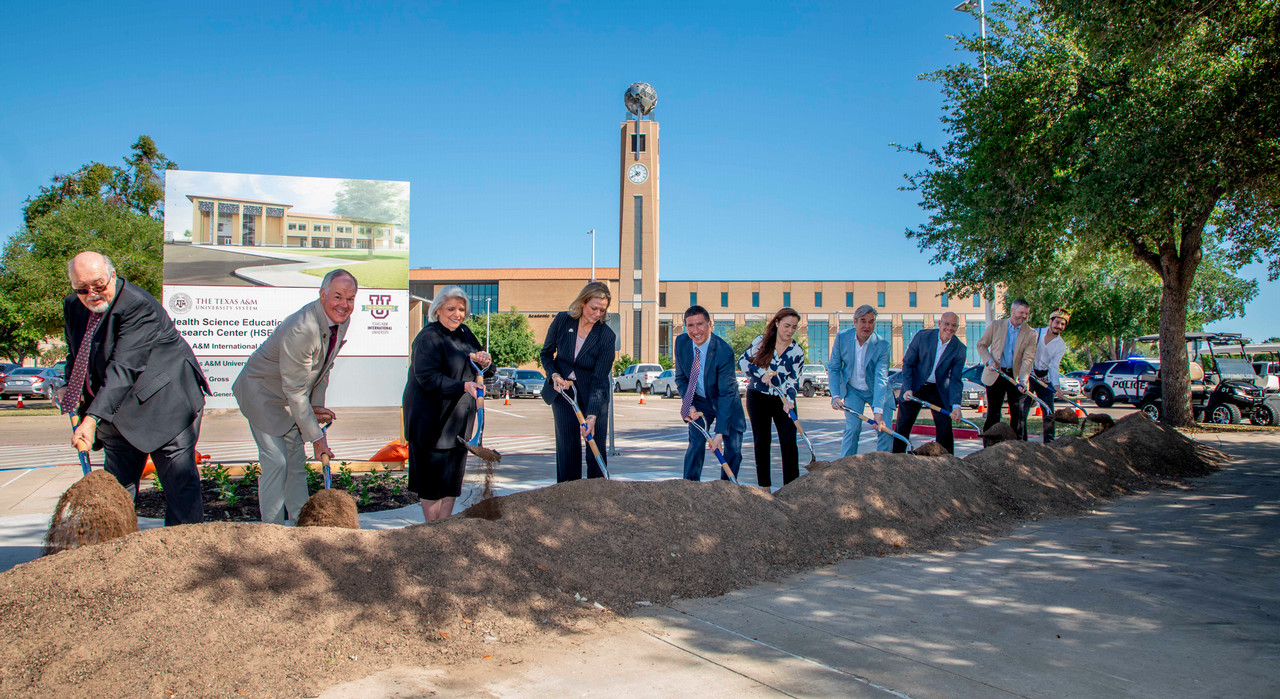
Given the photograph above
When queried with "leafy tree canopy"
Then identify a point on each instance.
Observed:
(18, 339)
(138, 186)
(511, 342)
(1114, 127)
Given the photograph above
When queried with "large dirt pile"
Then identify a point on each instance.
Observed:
(253, 609)
(330, 508)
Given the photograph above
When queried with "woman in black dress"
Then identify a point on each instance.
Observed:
(440, 402)
(579, 352)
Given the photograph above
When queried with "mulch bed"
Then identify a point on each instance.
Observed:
(236, 499)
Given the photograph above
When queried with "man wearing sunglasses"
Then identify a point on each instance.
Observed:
(135, 383)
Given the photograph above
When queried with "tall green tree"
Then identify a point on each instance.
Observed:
(1115, 126)
(138, 186)
(511, 341)
(371, 202)
(18, 337)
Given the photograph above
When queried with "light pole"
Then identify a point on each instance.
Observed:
(967, 8)
(486, 322)
(592, 233)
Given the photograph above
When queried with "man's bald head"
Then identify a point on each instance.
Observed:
(93, 278)
(947, 324)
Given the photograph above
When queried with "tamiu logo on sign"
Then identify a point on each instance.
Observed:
(380, 306)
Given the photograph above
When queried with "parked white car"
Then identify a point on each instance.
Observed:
(637, 376)
(665, 384)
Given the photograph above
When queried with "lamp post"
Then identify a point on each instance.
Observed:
(486, 322)
(592, 233)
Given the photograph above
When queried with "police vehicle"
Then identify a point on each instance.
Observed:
(1117, 381)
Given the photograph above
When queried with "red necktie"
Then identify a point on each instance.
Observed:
(80, 370)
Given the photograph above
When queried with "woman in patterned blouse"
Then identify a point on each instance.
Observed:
(773, 363)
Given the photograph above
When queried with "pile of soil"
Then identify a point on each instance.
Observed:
(93, 510)
(930, 449)
(330, 508)
(373, 493)
(997, 433)
(230, 609)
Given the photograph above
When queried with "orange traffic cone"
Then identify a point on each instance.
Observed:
(506, 398)
(1079, 412)
(982, 406)
(19, 400)
(641, 389)
(1039, 412)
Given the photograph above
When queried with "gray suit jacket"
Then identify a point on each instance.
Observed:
(288, 374)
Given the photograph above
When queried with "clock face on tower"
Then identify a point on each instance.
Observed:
(637, 173)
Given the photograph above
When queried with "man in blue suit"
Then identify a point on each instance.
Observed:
(859, 374)
(710, 393)
(932, 370)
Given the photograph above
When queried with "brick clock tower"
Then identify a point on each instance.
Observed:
(636, 297)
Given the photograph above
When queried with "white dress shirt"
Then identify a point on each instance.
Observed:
(1049, 354)
(859, 377)
(942, 347)
(700, 351)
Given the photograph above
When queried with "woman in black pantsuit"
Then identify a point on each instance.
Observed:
(579, 351)
(440, 402)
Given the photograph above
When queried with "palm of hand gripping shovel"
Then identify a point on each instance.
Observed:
(700, 424)
(82, 449)
(944, 411)
(582, 420)
(873, 423)
(791, 413)
(474, 444)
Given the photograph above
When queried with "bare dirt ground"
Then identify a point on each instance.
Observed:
(234, 609)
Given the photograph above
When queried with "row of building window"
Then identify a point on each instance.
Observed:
(817, 299)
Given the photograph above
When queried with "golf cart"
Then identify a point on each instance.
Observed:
(1225, 401)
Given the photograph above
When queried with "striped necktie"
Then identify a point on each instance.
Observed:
(686, 401)
(80, 370)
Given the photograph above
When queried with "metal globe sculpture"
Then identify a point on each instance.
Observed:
(640, 99)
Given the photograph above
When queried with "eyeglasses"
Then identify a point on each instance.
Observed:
(93, 288)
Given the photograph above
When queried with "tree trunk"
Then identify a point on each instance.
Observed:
(1175, 372)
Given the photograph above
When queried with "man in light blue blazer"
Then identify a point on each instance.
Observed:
(710, 393)
(858, 374)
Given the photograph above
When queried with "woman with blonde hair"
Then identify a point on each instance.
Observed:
(440, 401)
(578, 353)
(773, 364)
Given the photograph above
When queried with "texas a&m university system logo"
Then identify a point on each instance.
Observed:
(379, 306)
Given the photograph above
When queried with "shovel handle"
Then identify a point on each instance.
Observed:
(324, 464)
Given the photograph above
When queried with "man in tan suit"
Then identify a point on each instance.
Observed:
(1005, 346)
(281, 393)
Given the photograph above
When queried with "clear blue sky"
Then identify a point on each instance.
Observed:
(776, 119)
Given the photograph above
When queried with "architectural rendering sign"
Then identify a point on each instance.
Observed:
(242, 252)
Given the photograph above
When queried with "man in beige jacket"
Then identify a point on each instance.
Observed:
(281, 393)
(1008, 345)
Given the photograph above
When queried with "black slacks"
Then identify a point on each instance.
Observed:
(175, 467)
(909, 410)
(996, 394)
(1045, 394)
(763, 409)
(569, 444)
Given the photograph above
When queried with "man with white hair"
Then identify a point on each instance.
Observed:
(859, 375)
(135, 383)
(281, 392)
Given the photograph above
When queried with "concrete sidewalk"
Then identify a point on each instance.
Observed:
(1171, 593)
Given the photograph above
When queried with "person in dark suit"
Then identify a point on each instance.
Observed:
(440, 402)
(135, 383)
(711, 394)
(579, 351)
(932, 370)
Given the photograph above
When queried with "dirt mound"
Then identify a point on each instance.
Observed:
(1062, 478)
(997, 433)
(93, 510)
(182, 608)
(330, 508)
(1156, 449)
(931, 449)
(1066, 416)
(1102, 420)
(877, 502)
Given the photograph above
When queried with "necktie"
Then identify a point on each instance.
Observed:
(80, 370)
(686, 401)
(333, 338)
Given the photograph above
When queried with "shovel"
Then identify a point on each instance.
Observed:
(871, 422)
(791, 413)
(1048, 409)
(1074, 404)
(700, 425)
(83, 453)
(939, 409)
(473, 445)
(324, 458)
(582, 420)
